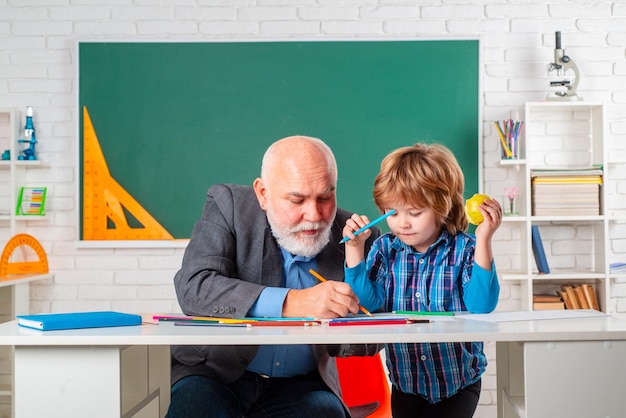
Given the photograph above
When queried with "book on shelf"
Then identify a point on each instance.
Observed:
(547, 298)
(565, 296)
(547, 302)
(572, 180)
(594, 170)
(617, 267)
(581, 296)
(566, 192)
(538, 251)
(76, 320)
(590, 295)
(571, 301)
(548, 306)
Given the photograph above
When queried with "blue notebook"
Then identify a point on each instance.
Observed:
(75, 320)
(538, 251)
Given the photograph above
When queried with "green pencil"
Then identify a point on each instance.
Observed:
(425, 313)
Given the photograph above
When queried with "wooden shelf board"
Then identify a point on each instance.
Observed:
(569, 275)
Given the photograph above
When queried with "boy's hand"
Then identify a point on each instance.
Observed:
(355, 223)
(492, 214)
(355, 246)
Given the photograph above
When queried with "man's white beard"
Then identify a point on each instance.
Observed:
(306, 246)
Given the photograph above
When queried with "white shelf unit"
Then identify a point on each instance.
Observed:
(561, 134)
(13, 175)
(14, 291)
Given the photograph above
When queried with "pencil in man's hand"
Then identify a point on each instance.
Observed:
(322, 279)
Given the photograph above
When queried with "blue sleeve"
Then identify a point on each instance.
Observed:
(370, 293)
(269, 303)
(482, 290)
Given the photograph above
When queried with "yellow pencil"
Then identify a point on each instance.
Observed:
(321, 279)
(504, 145)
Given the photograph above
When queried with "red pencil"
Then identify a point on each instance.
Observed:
(284, 323)
(332, 323)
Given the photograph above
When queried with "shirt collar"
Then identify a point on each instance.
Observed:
(294, 258)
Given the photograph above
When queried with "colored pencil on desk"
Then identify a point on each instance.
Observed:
(221, 320)
(285, 323)
(209, 319)
(373, 321)
(250, 324)
(211, 324)
(322, 279)
(425, 313)
(169, 318)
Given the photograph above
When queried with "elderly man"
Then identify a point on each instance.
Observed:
(250, 255)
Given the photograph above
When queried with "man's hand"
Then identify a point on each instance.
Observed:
(330, 299)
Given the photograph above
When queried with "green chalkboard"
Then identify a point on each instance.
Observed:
(173, 118)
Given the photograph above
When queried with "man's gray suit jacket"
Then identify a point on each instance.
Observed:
(231, 257)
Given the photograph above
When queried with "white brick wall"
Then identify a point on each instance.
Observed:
(38, 68)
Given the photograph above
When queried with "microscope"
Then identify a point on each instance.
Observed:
(29, 141)
(561, 64)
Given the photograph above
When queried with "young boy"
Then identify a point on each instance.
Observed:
(427, 263)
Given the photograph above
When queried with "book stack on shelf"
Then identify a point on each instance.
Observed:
(548, 302)
(579, 296)
(618, 268)
(566, 192)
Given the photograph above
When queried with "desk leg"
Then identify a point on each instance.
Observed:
(92, 381)
(510, 375)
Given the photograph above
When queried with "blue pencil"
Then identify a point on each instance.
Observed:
(369, 225)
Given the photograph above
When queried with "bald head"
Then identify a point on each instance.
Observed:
(297, 153)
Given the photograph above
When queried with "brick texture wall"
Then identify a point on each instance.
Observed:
(38, 67)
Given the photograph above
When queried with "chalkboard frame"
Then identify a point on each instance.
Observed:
(450, 78)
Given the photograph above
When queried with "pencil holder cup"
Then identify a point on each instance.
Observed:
(508, 133)
(509, 153)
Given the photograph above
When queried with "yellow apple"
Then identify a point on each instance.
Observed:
(471, 208)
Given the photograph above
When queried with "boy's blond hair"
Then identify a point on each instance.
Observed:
(424, 175)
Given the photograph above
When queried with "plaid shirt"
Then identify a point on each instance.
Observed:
(443, 278)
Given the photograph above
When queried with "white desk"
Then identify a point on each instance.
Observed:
(546, 368)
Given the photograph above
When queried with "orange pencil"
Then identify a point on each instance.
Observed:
(321, 279)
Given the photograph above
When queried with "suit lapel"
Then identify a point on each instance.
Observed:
(272, 265)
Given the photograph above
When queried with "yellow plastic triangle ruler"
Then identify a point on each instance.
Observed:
(104, 199)
(11, 268)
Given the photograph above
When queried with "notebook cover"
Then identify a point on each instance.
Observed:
(538, 251)
(75, 320)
